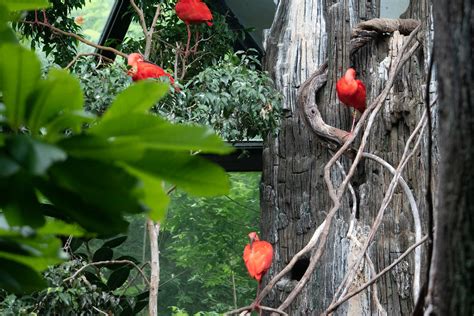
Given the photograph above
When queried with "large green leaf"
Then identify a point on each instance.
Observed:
(60, 93)
(58, 227)
(17, 5)
(154, 132)
(19, 278)
(21, 206)
(191, 173)
(118, 278)
(33, 156)
(76, 208)
(100, 148)
(154, 195)
(72, 121)
(19, 74)
(138, 98)
(38, 252)
(99, 184)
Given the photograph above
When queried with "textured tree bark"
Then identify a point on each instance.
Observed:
(294, 197)
(452, 277)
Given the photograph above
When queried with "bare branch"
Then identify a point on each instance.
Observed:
(98, 263)
(374, 279)
(79, 38)
(76, 58)
(141, 17)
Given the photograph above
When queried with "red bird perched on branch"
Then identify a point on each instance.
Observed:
(141, 69)
(192, 12)
(258, 255)
(351, 92)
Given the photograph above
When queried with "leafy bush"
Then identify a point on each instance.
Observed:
(233, 97)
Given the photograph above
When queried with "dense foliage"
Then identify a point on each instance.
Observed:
(51, 167)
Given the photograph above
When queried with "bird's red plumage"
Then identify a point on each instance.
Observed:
(143, 70)
(193, 12)
(351, 91)
(258, 258)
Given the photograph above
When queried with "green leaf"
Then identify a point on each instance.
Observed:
(115, 242)
(38, 253)
(19, 278)
(107, 187)
(17, 5)
(154, 132)
(75, 207)
(103, 254)
(8, 166)
(57, 227)
(19, 74)
(21, 206)
(138, 98)
(193, 174)
(118, 278)
(34, 156)
(71, 120)
(60, 93)
(153, 194)
(100, 148)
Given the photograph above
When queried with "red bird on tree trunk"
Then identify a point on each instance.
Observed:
(351, 92)
(258, 255)
(141, 69)
(192, 12)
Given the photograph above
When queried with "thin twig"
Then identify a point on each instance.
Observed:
(79, 38)
(141, 16)
(375, 278)
(107, 262)
(252, 307)
(76, 58)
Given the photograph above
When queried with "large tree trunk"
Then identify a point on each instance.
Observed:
(294, 196)
(452, 274)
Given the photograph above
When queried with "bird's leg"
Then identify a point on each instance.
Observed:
(36, 17)
(45, 19)
(194, 49)
(186, 52)
(354, 114)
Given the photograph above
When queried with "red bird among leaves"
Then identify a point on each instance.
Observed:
(351, 92)
(141, 69)
(192, 12)
(258, 256)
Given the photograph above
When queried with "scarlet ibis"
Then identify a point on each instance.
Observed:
(351, 92)
(258, 255)
(142, 69)
(192, 12)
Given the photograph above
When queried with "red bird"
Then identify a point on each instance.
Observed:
(192, 12)
(351, 92)
(258, 255)
(142, 69)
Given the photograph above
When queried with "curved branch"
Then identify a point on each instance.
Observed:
(365, 32)
(79, 38)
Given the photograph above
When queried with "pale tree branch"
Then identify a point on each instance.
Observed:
(387, 198)
(375, 278)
